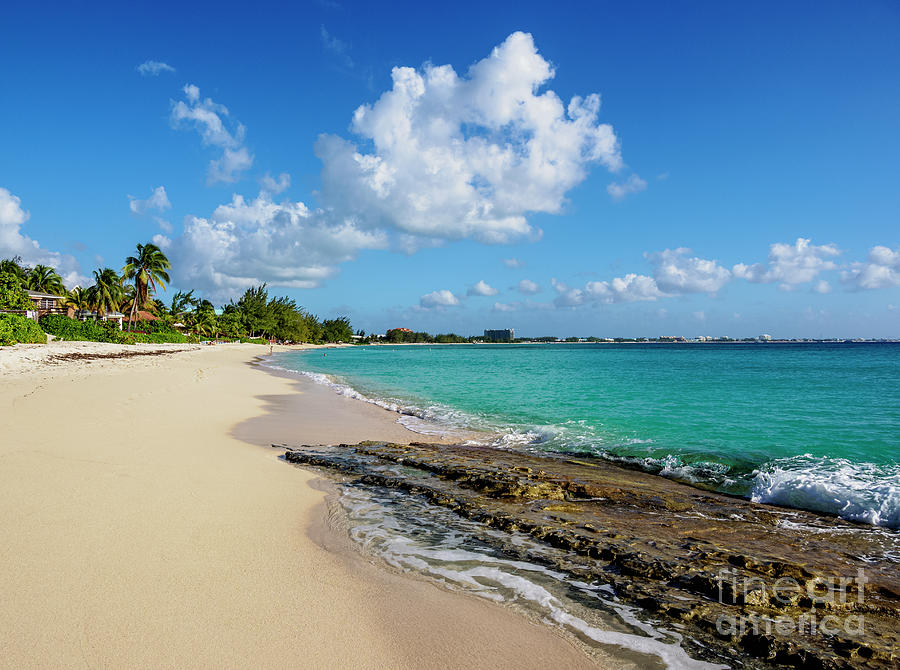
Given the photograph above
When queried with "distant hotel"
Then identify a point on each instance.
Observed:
(507, 335)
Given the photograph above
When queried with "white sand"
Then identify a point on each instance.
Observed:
(141, 528)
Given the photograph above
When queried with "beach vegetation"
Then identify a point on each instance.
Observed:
(107, 293)
(182, 302)
(79, 300)
(44, 279)
(64, 328)
(12, 294)
(148, 270)
(337, 330)
(254, 317)
(15, 329)
(14, 265)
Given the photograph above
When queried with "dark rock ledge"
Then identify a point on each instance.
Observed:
(746, 579)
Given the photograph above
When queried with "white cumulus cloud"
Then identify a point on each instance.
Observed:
(442, 298)
(881, 270)
(528, 287)
(450, 156)
(154, 68)
(249, 242)
(790, 264)
(675, 272)
(482, 288)
(13, 243)
(630, 288)
(209, 120)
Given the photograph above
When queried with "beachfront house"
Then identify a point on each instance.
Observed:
(48, 303)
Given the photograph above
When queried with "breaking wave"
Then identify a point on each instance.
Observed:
(855, 491)
(862, 492)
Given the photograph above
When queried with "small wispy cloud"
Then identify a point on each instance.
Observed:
(209, 119)
(506, 306)
(335, 46)
(158, 200)
(275, 186)
(153, 68)
(633, 184)
(514, 263)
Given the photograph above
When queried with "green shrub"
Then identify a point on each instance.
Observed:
(159, 338)
(15, 328)
(73, 330)
(160, 326)
(12, 295)
(254, 340)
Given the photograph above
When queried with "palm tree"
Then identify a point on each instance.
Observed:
(79, 299)
(128, 295)
(181, 301)
(107, 290)
(148, 270)
(159, 308)
(202, 322)
(14, 266)
(45, 279)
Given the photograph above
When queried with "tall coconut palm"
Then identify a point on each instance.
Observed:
(45, 279)
(107, 290)
(148, 271)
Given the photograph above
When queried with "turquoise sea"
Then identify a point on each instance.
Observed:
(815, 426)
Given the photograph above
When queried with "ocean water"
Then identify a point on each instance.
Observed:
(814, 426)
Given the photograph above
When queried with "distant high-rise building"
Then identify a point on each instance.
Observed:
(507, 335)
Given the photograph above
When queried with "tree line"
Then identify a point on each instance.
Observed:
(134, 292)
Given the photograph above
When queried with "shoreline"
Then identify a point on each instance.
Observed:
(496, 437)
(660, 546)
(141, 528)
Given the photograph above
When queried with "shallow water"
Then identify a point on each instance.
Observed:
(813, 426)
(413, 536)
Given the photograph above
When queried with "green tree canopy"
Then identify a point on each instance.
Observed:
(12, 295)
(45, 279)
(107, 291)
(148, 269)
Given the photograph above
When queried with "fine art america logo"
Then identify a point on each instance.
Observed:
(827, 603)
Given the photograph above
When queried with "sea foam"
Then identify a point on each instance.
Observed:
(861, 492)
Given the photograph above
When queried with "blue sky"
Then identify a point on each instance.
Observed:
(737, 174)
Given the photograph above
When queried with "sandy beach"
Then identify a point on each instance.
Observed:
(146, 523)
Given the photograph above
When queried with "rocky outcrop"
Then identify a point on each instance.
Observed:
(783, 587)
